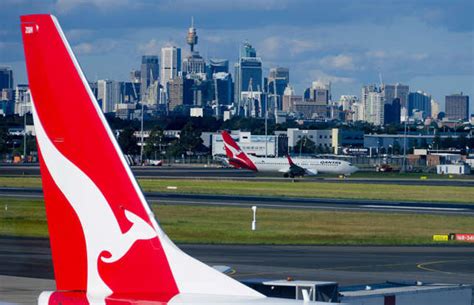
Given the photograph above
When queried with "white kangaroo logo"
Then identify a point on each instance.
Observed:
(101, 229)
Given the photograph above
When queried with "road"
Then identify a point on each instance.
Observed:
(348, 265)
(215, 173)
(446, 208)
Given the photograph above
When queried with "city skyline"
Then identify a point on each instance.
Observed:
(419, 44)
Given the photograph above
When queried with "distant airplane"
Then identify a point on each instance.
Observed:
(286, 166)
(106, 245)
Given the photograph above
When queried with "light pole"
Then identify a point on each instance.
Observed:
(254, 221)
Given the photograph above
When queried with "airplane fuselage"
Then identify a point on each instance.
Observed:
(317, 166)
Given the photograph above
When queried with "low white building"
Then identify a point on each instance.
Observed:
(453, 169)
(251, 144)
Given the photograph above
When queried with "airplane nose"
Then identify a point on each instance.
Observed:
(354, 169)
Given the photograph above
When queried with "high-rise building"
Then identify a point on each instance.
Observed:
(217, 65)
(135, 76)
(278, 80)
(398, 90)
(373, 105)
(179, 92)
(457, 107)
(392, 112)
(170, 64)
(248, 73)
(222, 82)
(320, 92)
(149, 73)
(6, 78)
(434, 109)
(109, 94)
(22, 99)
(419, 101)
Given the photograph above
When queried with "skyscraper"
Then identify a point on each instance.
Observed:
(392, 112)
(373, 105)
(170, 64)
(6, 78)
(457, 107)
(248, 72)
(278, 80)
(420, 101)
(149, 74)
(217, 65)
(109, 94)
(222, 88)
(398, 90)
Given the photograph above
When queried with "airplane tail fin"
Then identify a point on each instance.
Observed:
(104, 237)
(290, 161)
(236, 156)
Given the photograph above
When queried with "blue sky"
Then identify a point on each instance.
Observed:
(428, 45)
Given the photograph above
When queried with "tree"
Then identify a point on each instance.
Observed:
(190, 138)
(154, 143)
(128, 142)
(305, 146)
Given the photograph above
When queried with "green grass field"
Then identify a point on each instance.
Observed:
(192, 224)
(308, 189)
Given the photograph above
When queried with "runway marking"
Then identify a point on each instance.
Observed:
(411, 208)
(422, 266)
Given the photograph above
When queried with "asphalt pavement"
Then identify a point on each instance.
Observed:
(443, 208)
(207, 172)
(22, 259)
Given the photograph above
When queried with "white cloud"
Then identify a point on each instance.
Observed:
(64, 6)
(322, 76)
(96, 47)
(341, 61)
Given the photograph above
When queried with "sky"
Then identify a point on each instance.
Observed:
(428, 45)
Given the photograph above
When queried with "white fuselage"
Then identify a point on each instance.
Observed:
(319, 166)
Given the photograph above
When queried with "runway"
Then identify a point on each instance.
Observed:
(348, 265)
(217, 173)
(281, 202)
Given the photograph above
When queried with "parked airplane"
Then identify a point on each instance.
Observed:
(286, 166)
(106, 245)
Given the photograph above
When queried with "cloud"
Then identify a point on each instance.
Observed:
(65, 6)
(152, 47)
(322, 76)
(96, 47)
(341, 61)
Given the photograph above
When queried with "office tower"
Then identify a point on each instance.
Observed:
(373, 105)
(457, 107)
(170, 64)
(218, 65)
(419, 101)
(320, 92)
(248, 73)
(149, 73)
(135, 76)
(278, 80)
(434, 109)
(346, 102)
(22, 99)
(109, 94)
(392, 112)
(6, 78)
(222, 83)
(398, 90)
(179, 92)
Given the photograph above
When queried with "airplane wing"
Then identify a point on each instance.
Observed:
(295, 170)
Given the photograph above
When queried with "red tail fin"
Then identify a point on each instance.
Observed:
(290, 161)
(236, 156)
(104, 238)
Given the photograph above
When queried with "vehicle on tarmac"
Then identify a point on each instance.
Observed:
(106, 244)
(286, 166)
